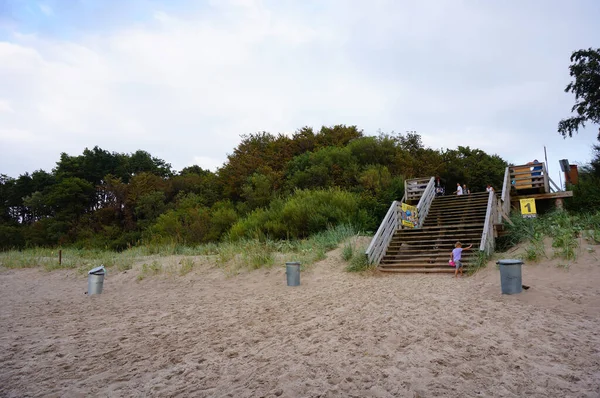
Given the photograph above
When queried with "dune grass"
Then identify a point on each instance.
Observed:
(567, 232)
(232, 256)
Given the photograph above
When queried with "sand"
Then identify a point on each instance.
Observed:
(337, 335)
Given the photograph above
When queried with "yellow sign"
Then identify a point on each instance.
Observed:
(409, 216)
(528, 207)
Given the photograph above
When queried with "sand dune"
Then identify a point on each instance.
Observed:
(336, 335)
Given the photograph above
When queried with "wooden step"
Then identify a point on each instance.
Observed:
(445, 253)
(459, 197)
(449, 216)
(460, 200)
(424, 252)
(466, 211)
(418, 265)
(414, 263)
(437, 229)
(441, 237)
(445, 246)
(437, 242)
(444, 227)
(418, 270)
(444, 209)
(454, 221)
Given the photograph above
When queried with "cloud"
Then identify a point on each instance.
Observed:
(46, 9)
(184, 84)
(5, 106)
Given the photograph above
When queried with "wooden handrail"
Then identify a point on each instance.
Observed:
(384, 234)
(487, 237)
(425, 202)
(556, 188)
(506, 187)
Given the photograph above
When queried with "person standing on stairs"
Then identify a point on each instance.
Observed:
(466, 190)
(459, 190)
(456, 257)
(439, 188)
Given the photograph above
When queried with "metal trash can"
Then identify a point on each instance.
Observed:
(510, 276)
(292, 272)
(96, 280)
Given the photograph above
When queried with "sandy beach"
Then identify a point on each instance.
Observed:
(207, 334)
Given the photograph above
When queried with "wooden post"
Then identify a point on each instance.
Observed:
(59, 257)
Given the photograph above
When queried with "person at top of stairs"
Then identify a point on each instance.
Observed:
(459, 189)
(439, 188)
(456, 256)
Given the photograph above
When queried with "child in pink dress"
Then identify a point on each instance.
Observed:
(456, 256)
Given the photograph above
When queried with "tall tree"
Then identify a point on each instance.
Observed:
(585, 70)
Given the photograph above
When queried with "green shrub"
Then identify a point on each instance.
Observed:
(187, 265)
(534, 251)
(481, 260)
(305, 213)
(347, 252)
(586, 194)
(359, 263)
(561, 226)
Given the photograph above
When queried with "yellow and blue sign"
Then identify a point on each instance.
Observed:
(409, 216)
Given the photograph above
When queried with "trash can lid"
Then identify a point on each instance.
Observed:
(510, 262)
(97, 270)
(293, 263)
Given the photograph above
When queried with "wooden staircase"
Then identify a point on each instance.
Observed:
(427, 249)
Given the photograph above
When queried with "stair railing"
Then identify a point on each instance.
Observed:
(487, 237)
(425, 202)
(545, 175)
(506, 194)
(384, 234)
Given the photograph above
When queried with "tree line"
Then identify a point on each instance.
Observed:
(271, 186)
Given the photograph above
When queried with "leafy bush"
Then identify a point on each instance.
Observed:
(562, 227)
(359, 263)
(304, 213)
(11, 237)
(347, 252)
(586, 194)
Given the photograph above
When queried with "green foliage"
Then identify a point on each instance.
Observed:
(272, 187)
(326, 167)
(258, 190)
(585, 71)
(151, 269)
(472, 167)
(586, 194)
(80, 259)
(11, 237)
(347, 252)
(379, 150)
(149, 207)
(562, 227)
(258, 255)
(187, 265)
(481, 260)
(359, 263)
(304, 213)
(534, 251)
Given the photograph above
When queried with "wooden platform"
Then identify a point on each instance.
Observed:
(542, 196)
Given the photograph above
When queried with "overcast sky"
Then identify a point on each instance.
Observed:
(184, 79)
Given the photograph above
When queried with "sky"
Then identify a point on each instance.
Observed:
(184, 80)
